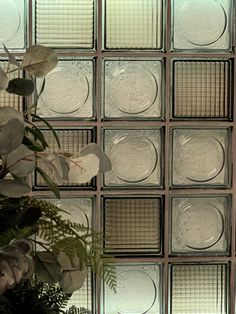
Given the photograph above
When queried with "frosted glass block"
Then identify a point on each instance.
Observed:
(198, 289)
(65, 24)
(133, 24)
(132, 88)
(200, 225)
(138, 290)
(68, 91)
(72, 141)
(7, 99)
(135, 155)
(13, 24)
(200, 157)
(202, 24)
(132, 224)
(202, 89)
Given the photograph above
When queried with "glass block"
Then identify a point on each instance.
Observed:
(133, 24)
(135, 155)
(138, 290)
(202, 89)
(7, 99)
(200, 157)
(132, 88)
(198, 288)
(202, 25)
(72, 141)
(68, 91)
(200, 225)
(132, 225)
(65, 24)
(13, 24)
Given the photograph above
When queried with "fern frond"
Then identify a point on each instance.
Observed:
(15, 233)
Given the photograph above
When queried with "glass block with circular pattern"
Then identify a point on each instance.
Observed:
(138, 290)
(136, 157)
(202, 25)
(201, 157)
(200, 225)
(199, 288)
(132, 225)
(202, 89)
(69, 91)
(133, 24)
(132, 88)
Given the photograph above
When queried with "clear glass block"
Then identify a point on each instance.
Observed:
(72, 141)
(202, 25)
(7, 99)
(133, 24)
(132, 88)
(69, 91)
(136, 157)
(13, 24)
(132, 225)
(65, 24)
(198, 288)
(200, 225)
(200, 157)
(138, 290)
(202, 89)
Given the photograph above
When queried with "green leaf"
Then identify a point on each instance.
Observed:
(72, 280)
(68, 262)
(50, 127)
(8, 113)
(39, 60)
(33, 145)
(51, 184)
(65, 168)
(3, 80)
(11, 57)
(83, 169)
(38, 135)
(20, 86)
(47, 267)
(11, 136)
(13, 188)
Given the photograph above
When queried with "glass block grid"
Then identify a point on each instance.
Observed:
(61, 24)
(202, 89)
(72, 141)
(132, 225)
(200, 289)
(133, 24)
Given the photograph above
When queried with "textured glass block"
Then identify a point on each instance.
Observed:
(202, 24)
(65, 24)
(138, 290)
(200, 225)
(68, 91)
(12, 24)
(133, 24)
(7, 99)
(132, 224)
(202, 89)
(200, 157)
(135, 155)
(72, 141)
(198, 289)
(132, 88)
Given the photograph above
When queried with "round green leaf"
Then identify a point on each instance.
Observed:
(47, 267)
(21, 87)
(8, 113)
(12, 188)
(11, 136)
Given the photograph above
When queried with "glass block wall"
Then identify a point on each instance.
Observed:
(152, 82)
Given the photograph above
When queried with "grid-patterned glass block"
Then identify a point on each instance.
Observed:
(72, 141)
(136, 157)
(202, 89)
(200, 225)
(7, 99)
(132, 225)
(13, 24)
(65, 24)
(202, 25)
(133, 24)
(138, 290)
(68, 91)
(200, 157)
(132, 88)
(198, 289)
